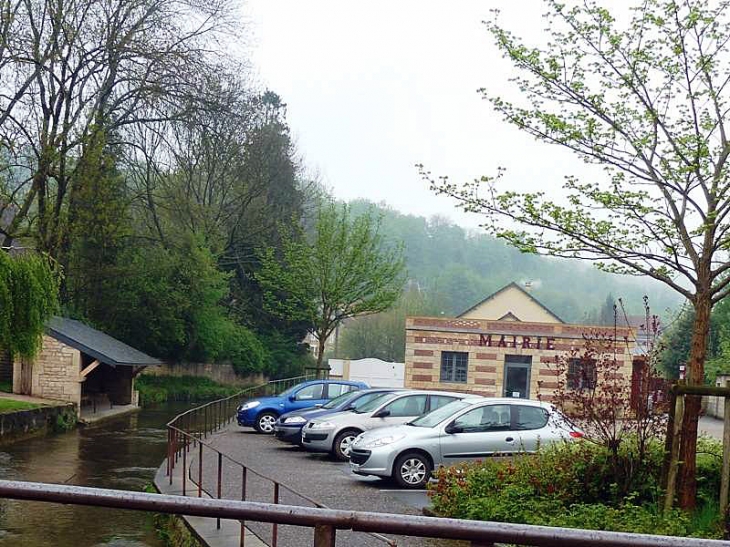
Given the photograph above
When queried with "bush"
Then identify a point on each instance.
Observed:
(159, 389)
(575, 485)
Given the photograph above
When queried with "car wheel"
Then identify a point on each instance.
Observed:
(265, 423)
(341, 446)
(412, 470)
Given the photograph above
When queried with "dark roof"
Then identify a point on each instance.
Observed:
(96, 344)
(513, 284)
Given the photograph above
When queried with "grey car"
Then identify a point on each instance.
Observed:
(460, 431)
(335, 432)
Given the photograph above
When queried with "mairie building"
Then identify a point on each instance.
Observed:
(504, 346)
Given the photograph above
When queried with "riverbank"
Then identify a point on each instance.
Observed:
(161, 389)
(24, 417)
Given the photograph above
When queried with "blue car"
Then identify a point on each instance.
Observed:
(262, 413)
(289, 426)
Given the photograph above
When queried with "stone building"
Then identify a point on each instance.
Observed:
(81, 365)
(501, 347)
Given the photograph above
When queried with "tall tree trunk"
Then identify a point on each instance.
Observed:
(687, 487)
(321, 341)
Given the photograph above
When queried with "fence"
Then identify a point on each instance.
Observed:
(205, 470)
(327, 522)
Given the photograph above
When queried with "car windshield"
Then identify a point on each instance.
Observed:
(375, 403)
(288, 391)
(437, 416)
(337, 401)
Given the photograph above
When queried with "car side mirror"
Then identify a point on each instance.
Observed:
(382, 414)
(292, 398)
(318, 405)
(453, 428)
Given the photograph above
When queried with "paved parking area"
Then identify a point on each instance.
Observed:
(314, 475)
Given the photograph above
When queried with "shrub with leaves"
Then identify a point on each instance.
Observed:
(28, 297)
(573, 485)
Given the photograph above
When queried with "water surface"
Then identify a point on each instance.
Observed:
(123, 453)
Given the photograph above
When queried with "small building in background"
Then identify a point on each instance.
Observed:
(374, 372)
(500, 347)
(84, 366)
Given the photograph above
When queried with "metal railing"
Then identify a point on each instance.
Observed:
(187, 446)
(327, 522)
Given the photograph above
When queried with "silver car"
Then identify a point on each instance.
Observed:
(460, 431)
(334, 433)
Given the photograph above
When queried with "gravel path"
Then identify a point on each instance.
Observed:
(314, 475)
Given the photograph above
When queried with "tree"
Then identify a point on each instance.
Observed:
(383, 335)
(646, 100)
(28, 298)
(345, 270)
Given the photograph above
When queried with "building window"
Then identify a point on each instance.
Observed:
(582, 374)
(454, 365)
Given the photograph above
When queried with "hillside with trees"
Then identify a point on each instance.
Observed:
(450, 269)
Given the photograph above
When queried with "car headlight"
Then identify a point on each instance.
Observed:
(294, 420)
(322, 425)
(249, 405)
(382, 441)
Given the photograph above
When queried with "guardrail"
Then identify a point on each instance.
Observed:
(186, 444)
(326, 522)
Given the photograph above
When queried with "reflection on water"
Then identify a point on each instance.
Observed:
(123, 453)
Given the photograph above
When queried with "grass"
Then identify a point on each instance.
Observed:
(158, 389)
(10, 405)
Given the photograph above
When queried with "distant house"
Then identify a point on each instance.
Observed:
(81, 365)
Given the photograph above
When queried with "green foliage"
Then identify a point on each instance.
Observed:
(65, 421)
(456, 269)
(383, 335)
(346, 270)
(28, 298)
(574, 485)
(159, 389)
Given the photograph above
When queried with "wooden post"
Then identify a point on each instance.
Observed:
(674, 455)
(669, 441)
(725, 474)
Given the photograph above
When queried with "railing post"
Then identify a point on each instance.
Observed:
(220, 484)
(184, 470)
(324, 536)
(200, 471)
(275, 527)
(243, 498)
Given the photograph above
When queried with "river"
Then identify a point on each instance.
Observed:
(122, 453)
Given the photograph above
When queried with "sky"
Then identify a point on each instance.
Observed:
(373, 88)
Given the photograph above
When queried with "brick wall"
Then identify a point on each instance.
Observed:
(427, 338)
(55, 372)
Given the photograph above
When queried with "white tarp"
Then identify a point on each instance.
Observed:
(374, 372)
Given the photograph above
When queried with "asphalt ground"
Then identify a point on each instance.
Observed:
(317, 476)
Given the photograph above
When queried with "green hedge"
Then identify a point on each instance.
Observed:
(574, 485)
(159, 389)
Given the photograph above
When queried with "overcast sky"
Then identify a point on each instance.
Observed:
(375, 87)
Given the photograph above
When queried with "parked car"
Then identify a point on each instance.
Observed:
(460, 431)
(288, 427)
(262, 413)
(335, 433)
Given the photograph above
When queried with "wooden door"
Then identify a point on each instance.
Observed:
(26, 378)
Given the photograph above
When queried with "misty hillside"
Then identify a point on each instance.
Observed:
(458, 269)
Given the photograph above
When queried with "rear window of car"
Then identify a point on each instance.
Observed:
(529, 417)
